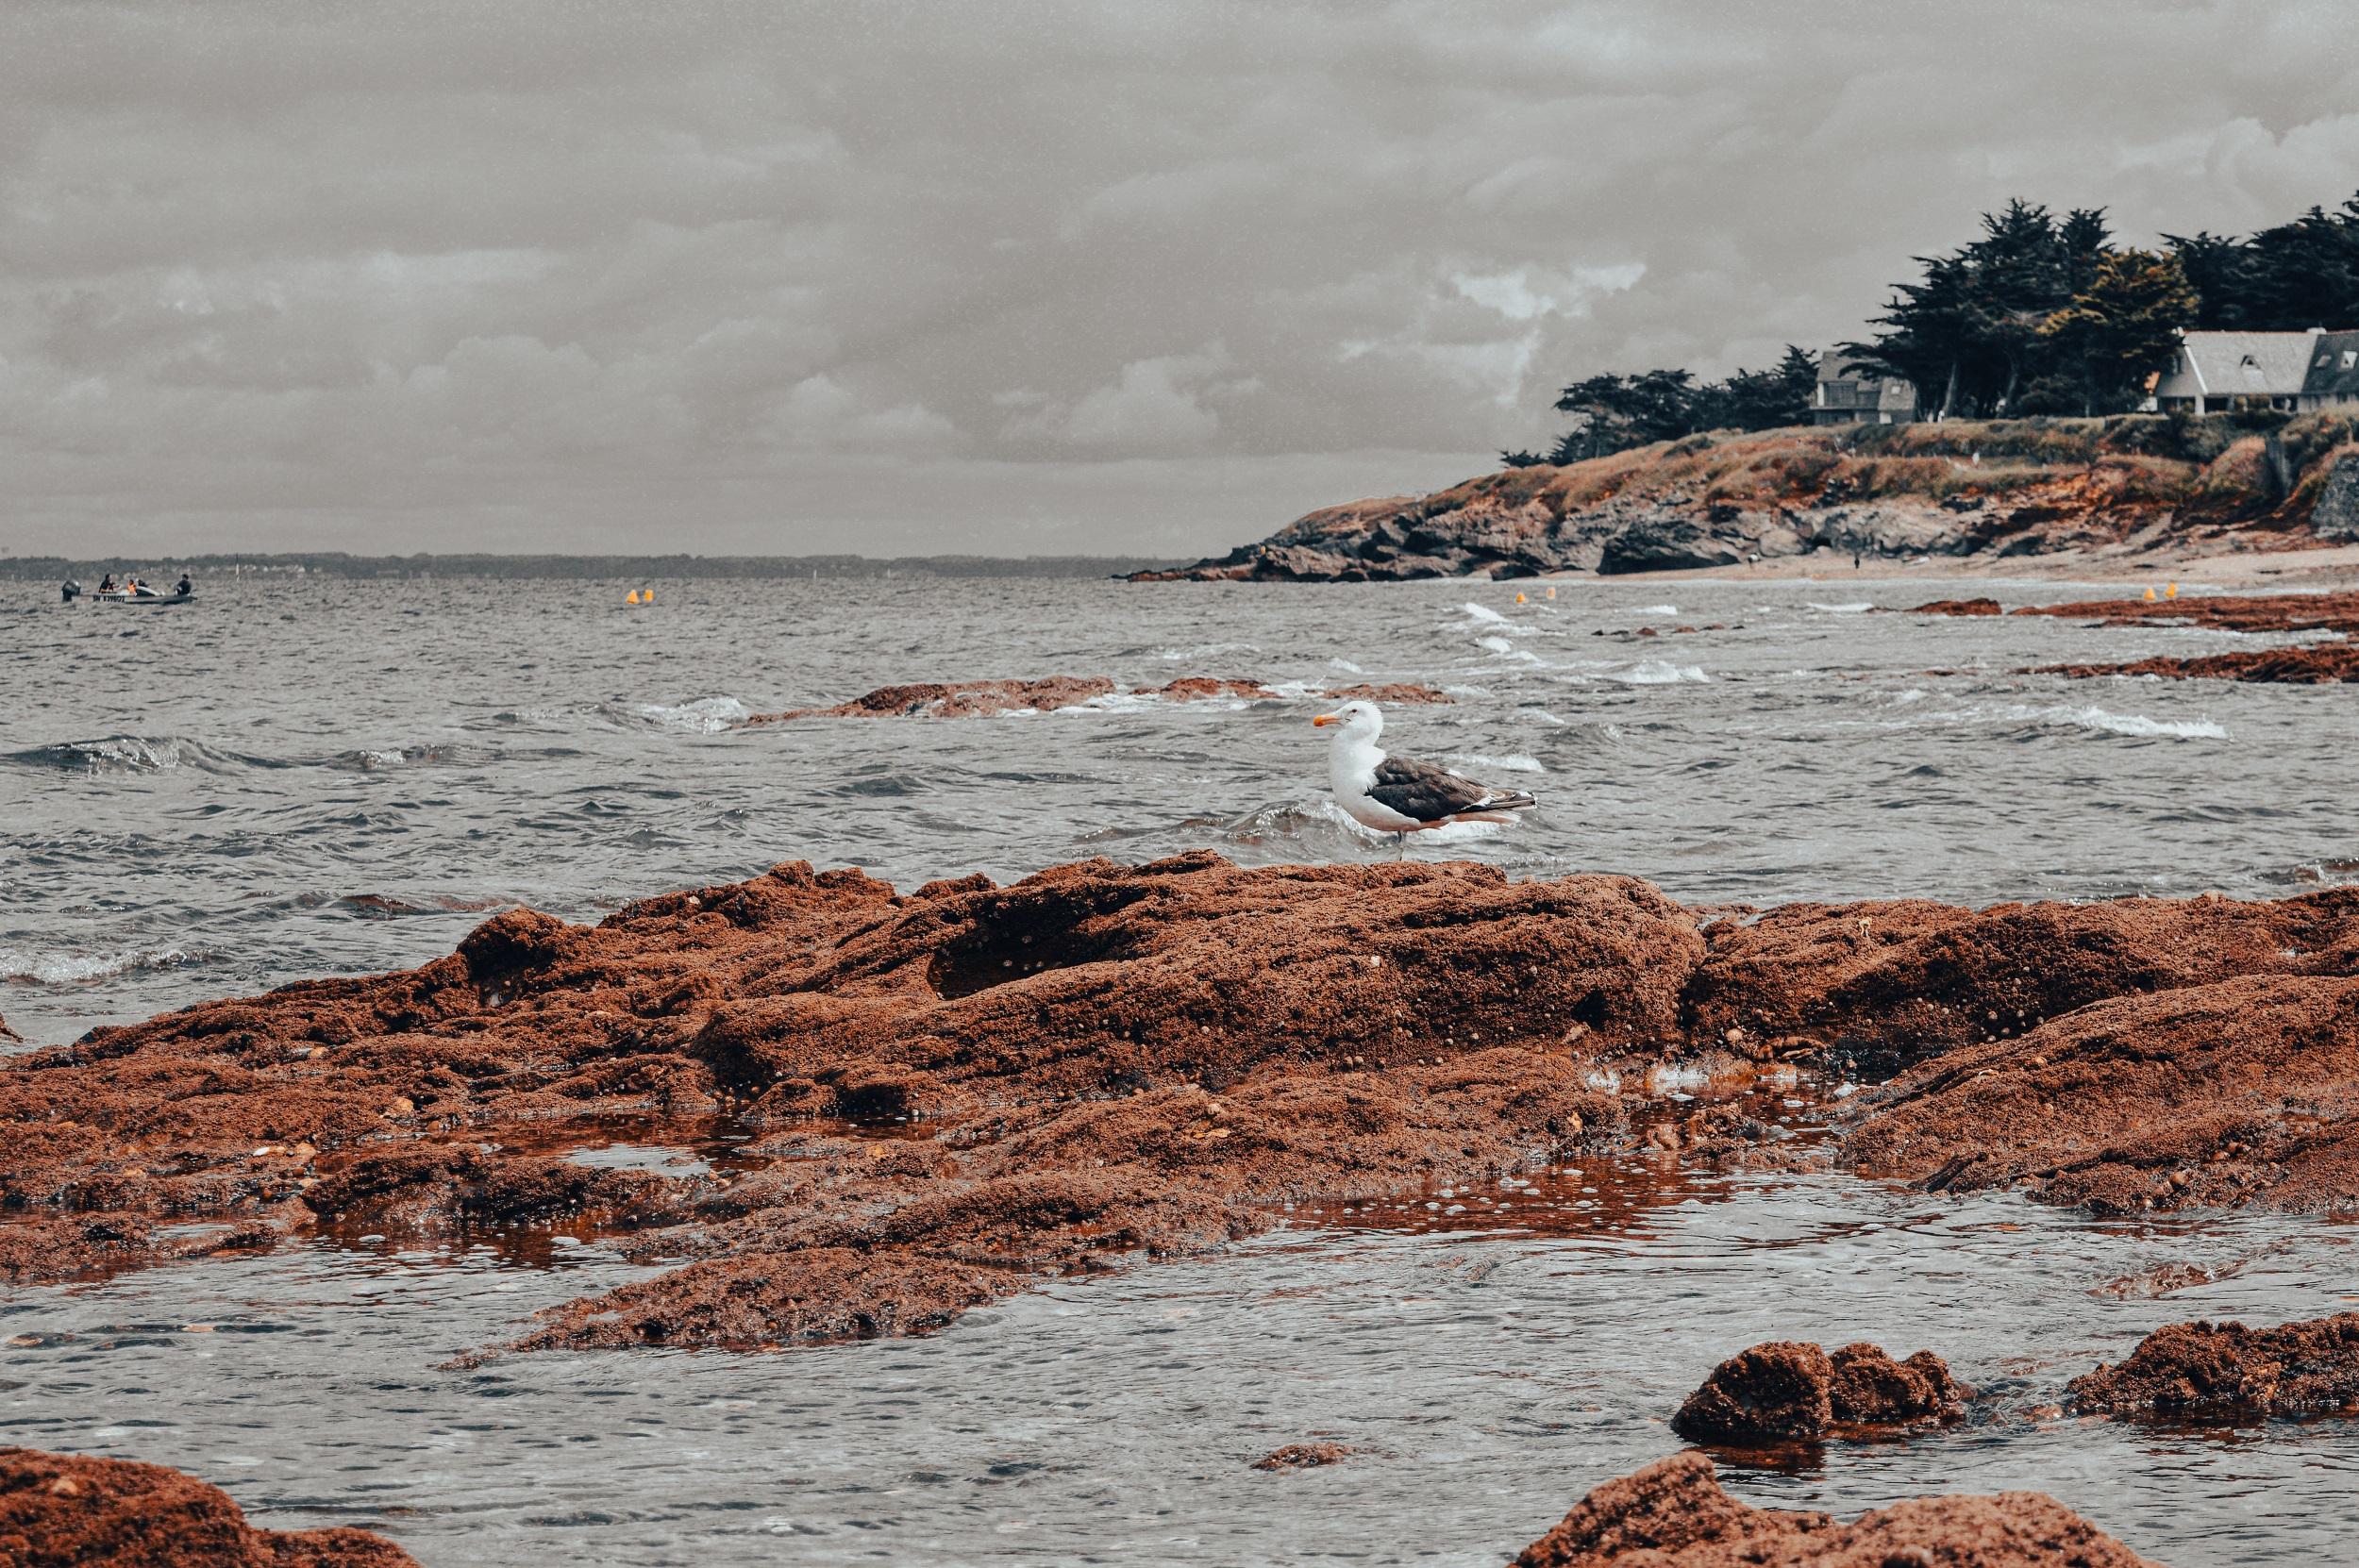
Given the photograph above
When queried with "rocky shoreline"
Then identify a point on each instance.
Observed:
(2335, 614)
(1991, 491)
(940, 1095)
(907, 1105)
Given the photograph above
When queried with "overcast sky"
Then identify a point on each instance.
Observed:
(1011, 277)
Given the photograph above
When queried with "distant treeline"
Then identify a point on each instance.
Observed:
(337, 563)
(2036, 315)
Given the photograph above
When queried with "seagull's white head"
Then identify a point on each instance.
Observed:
(1360, 719)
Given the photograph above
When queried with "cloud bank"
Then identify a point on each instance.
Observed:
(1111, 277)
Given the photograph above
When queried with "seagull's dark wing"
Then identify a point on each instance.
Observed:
(1424, 793)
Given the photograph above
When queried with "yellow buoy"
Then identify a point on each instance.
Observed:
(646, 595)
(2150, 595)
(2170, 591)
(633, 597)
(1519, 598)
(1551, 593)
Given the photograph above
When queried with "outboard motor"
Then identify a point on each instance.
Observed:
(71, 590)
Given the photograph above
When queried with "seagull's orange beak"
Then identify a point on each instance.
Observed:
(1326, 719)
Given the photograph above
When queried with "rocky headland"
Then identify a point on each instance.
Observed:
(908, 1104)
(1989, 491)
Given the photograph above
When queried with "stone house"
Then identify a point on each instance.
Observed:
(2291, 372)
(1850, 392)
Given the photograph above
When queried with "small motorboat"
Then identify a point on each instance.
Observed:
(141, 595)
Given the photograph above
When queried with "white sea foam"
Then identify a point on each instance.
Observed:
(1208, 650)
(1656, 672)
(1496, 644)
(69, 969)
(1484, 613)
(2130, 723)
(1347, 666)
(1860, 608)
(1656, 609)
(705, 716)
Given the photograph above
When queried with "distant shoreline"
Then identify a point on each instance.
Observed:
(332, 563)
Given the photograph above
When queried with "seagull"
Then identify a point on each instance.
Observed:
(1398, 794)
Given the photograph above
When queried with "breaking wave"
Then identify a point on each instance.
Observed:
(2125, 724)
(73, 969)
(705, 716)
(1656, 672)
(136, 754)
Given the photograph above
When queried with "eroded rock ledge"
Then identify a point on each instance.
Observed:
(1673, 1514)
(913, 1103)
(2227, 1372)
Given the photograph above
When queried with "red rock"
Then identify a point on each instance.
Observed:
(1107, 1062)
(1673, 1514)
(2227, 1371)
(2243, 1092)
(63, 1510)
(1960, 606)
(2328, 664)
(1391, 693)
(1302, 1456)
(1792, 1390)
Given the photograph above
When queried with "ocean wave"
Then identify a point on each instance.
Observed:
(379, 758)
(1485, 614)
(135, 754)
(704, 716)
(1653, 609)
(1206, 650)
(1858, 608)
(1319, 825)
(74, 969)
(1514, 761)
(1656, 672)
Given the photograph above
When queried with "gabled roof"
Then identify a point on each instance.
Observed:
(2240, 365)
(2333, 366)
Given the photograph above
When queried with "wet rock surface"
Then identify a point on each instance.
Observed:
(62, 1510)
(1674, 1514)
(2227, 1372)
(1790, 1390)
(889, 1108)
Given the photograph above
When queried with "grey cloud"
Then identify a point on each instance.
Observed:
(1044, 276)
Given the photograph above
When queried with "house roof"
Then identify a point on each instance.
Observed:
(2333, 366)
(2240, 365)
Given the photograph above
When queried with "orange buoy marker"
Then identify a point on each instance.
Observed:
(1519, 598)
(633, 597)
(1551, 593)
(2170, 591)
(2150, 595)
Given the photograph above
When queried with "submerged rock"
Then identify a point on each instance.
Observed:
(974, 699)
(1789, 1390)
(61, 1510)
(1960, 607)
(1302, 1456)
(1673, 1514)
(2225, 1371)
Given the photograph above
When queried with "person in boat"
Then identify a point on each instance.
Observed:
(186, 587)
(107, 583)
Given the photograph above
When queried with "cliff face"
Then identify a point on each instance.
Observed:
(1995, 488)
